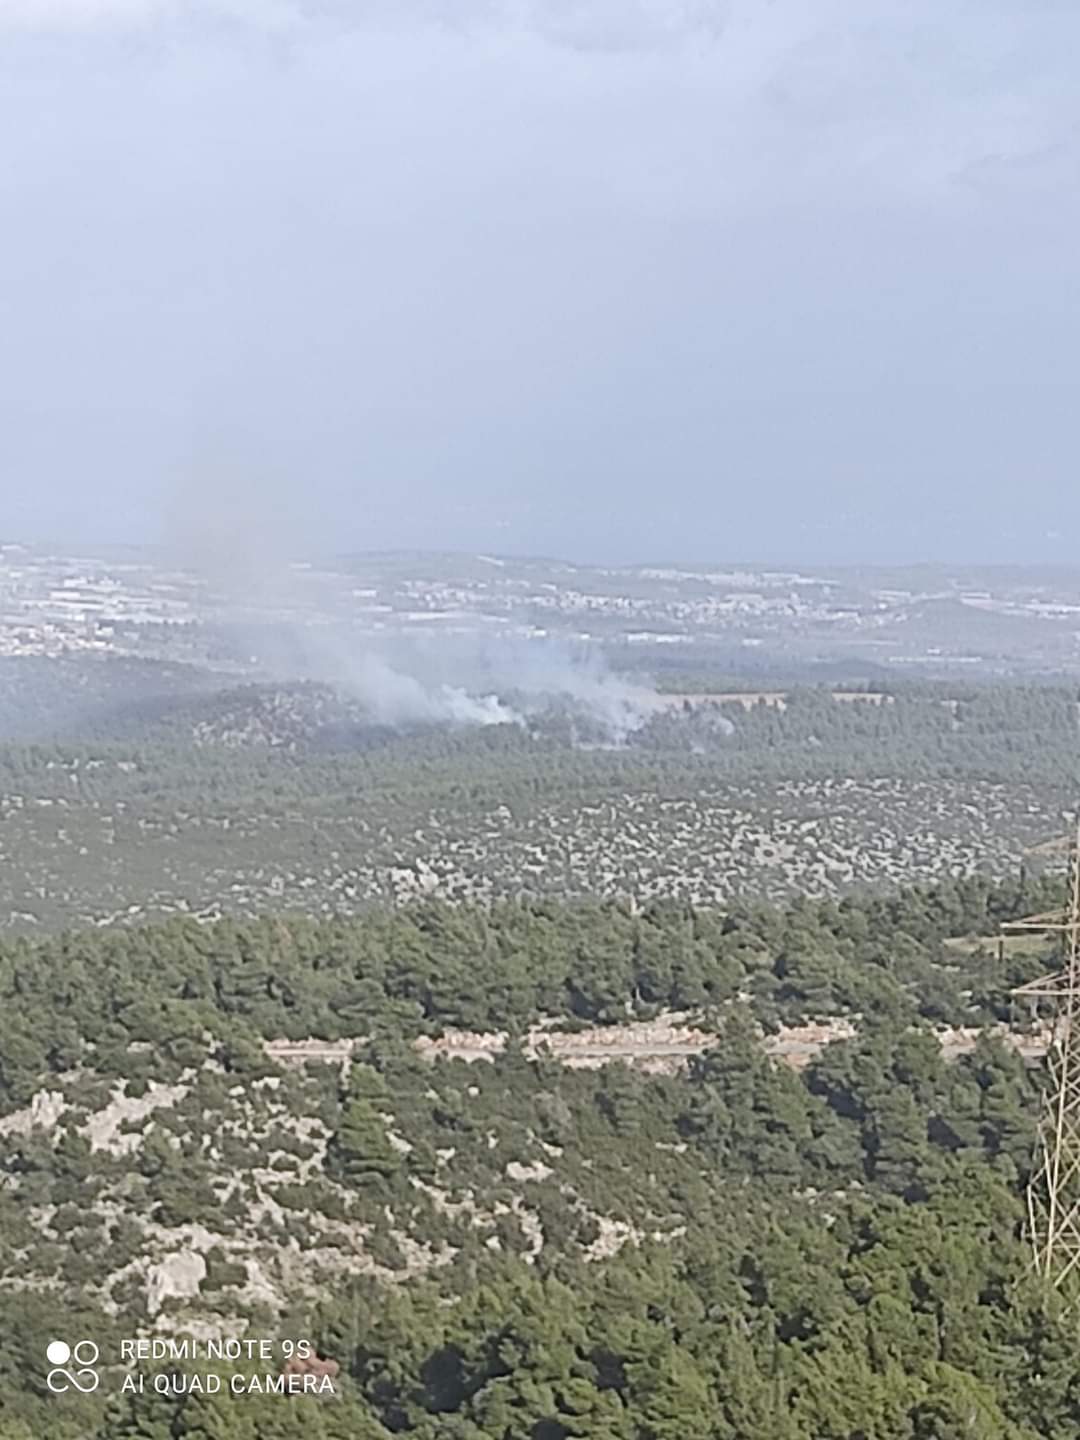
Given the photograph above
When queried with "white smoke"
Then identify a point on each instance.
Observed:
(460, 680)
(525, 679)
(293, 625)
(543, 673)
(393, 697)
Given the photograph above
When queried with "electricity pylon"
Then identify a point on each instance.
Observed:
(1054, 1191)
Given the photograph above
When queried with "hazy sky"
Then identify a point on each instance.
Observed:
(616, 279)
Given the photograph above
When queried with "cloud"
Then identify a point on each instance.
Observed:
(592, 25)
(618, 277)
(81, 14)
(623, 25)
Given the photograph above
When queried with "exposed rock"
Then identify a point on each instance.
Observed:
(104, 1129)
(178, 1276)
(43, 1112)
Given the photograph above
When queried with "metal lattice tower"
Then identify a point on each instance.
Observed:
(1054, 1191)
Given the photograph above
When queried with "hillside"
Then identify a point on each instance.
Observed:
(513, 1244)
(255, 798)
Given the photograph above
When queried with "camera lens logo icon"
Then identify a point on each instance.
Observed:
(82, 1358)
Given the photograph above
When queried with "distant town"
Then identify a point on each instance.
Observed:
(921, 620)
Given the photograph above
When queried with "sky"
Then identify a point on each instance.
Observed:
(617, 280)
